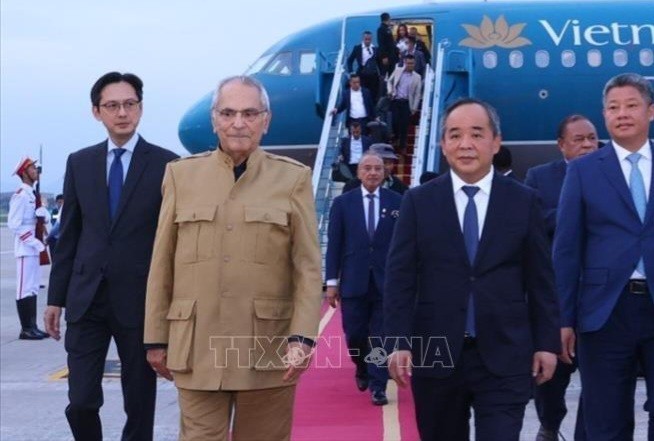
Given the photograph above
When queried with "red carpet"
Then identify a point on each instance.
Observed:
(329, 407)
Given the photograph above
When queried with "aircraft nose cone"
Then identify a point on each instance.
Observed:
(195, 131)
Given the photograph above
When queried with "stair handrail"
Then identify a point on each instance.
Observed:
(434, 133)
(418, 163)
(331, 103)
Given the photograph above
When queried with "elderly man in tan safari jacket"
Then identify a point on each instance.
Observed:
(234, 291)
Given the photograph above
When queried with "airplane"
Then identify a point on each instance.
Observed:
(535, 62)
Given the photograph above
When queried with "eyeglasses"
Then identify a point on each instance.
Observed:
(114, 106)
(229, 115)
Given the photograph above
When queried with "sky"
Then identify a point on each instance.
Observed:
(51, 53)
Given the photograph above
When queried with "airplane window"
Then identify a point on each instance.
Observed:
(620, 57)
(646, 57)
(281, 64)
(594, 58)
(568, 58)
(542, 58)
(307, 62)
(516, 60)
(258, 65)
(490, 59)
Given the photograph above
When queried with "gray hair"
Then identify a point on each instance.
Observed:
(493, 117)
(245, 80)
(638, 82)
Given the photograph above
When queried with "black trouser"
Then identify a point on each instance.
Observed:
(87, 342)
(549, 399)
(401, 119)
(443, 404)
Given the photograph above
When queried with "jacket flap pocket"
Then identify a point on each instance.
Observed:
(273, 309)
(196, 214)
(267, 215)
(181, 309)
(595, 276)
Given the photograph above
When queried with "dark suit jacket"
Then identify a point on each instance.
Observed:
(429, 280)
(366, 142)
(371, 68)
(396, 184)
(547, 180)
(599, 239)
(367, 102)
(351, 256)
(91, 248)
(386, 43)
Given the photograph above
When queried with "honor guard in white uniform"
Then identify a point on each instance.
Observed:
(22, 221)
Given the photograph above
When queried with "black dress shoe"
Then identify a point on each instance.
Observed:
(29, 334)
(41, 333)
(379, 398)
(546, 435)
(362, 382)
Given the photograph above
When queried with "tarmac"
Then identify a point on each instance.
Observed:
(33, 388)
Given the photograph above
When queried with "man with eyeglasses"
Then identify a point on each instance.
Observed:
(113, 194)
(234, 294)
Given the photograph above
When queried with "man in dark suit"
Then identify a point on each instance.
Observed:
(419, 57)
(365, 55)
(503, 163)
(353, 147)
(420, 45)
(576, 136)
(385, 39)
(469, 295)
(390, 181)
(360, 227)
(357, 101)
(113, 193)
(604, 263)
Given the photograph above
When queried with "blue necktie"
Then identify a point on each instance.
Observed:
(471, 238)
(371, 215)
(637, 187)
(115, 182)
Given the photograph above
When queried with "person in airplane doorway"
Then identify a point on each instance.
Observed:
(21, 220)
(100, 268)
(385, 39)
(576, 137)
(469, 299)
(604, 263)
(360, 227)
(235, 285)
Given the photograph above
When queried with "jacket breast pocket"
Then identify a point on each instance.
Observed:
(266, 234)
(195, 233)
(272, 320)
(181, 319)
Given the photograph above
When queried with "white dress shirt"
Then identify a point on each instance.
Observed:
(645, 167)
(356, 150)
(481, 198)
(126, 158)
(357, 108)
(366, 53)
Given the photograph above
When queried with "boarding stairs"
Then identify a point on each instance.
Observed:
(449, 80)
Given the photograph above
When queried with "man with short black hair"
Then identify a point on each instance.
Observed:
(357, 101)
(366, 57)
(604, 263)
(99, 272)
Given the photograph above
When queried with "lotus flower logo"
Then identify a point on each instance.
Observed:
(497, 34)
